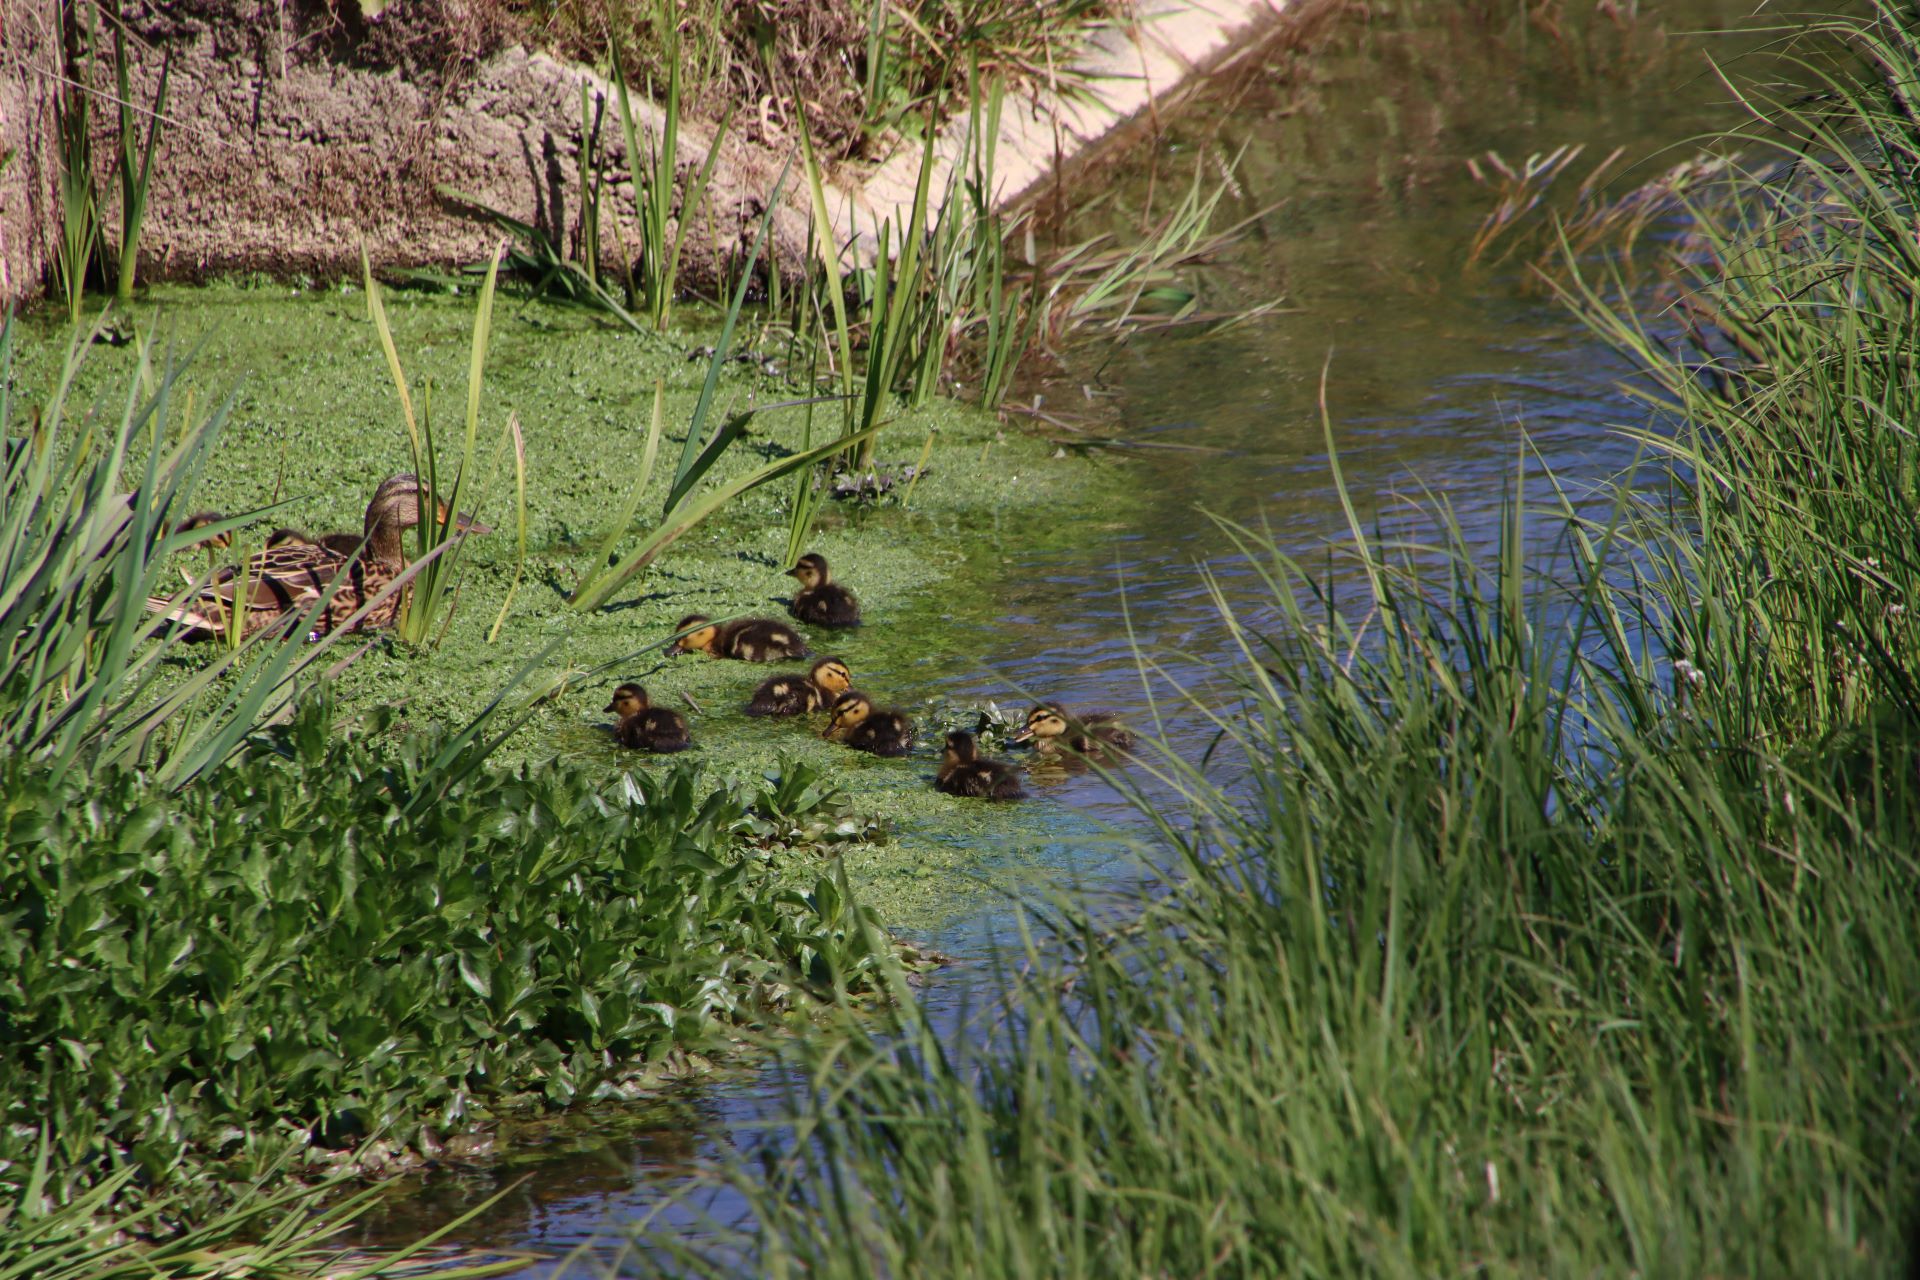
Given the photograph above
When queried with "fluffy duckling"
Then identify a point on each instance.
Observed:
(748, 639)
(820, 599)
(343, 543)
(857, 723)
(200, 520)
(792, 695)
(1052, 728)
(645, 727)
(964, 773)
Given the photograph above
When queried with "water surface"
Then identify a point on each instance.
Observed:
(1432, 371)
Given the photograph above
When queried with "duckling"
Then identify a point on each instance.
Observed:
(1052, 728)
(200, 520)
(791, 695)
(645, 727)
(856, 723)
(820, 599)
(748, 639)
(964, 773)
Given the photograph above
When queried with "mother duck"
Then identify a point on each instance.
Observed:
(285, 580)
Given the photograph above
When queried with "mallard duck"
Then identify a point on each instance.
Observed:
(857, 723)
(820, 599)
(748, 639)
(792, 695)
(964, 773)
(1052, 728)
(287, 579)
(200, 520)
(645, 727)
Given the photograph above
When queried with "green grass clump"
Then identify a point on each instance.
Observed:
(1532, 914)
(351, 936)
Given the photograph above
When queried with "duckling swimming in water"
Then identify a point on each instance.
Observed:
(792, 695)
(820, 599)
(645, 727)
(964, 773)
(748, 639)
(1053, 729)
(858, 724)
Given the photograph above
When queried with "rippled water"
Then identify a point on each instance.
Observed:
(1432, 370)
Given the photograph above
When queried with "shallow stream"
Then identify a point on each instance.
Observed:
(1433, 368)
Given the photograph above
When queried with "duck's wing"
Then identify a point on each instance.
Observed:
(278, 582)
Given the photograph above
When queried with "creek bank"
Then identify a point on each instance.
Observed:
(285, 153)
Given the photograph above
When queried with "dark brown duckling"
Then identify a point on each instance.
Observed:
(645, 727)
(964, 773)
(748, 639)
(858, 724)
(344, 544)
(200, 520)
(821, 600)
(792, 695)
(1095, 736)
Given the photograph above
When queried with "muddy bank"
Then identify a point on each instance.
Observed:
(292, 137)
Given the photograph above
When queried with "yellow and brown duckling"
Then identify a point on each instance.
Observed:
(645, 727)
(796, 694)
(748, 639)
(820, 599)
(860, 725)
(1053, 730)
(963, 772)
(288, 578)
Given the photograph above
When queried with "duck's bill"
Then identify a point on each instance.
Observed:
(1022, 736)
(467, 524)
(608, 707)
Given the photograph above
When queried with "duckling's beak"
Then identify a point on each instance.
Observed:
(608, 707)
(1023, 735)
(794, 572)
(467, 524)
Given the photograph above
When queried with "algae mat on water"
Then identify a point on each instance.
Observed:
(317, 425)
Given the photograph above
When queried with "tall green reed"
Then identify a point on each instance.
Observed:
(135, 178)
(684, 506)
(79, 203)
(440, 536)
(655, 168)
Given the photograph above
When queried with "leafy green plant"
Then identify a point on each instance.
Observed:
(430, 939)
(135, 179)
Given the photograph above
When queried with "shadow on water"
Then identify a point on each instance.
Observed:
(1362, 145)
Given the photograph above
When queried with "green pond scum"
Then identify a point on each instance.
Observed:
(317, 425)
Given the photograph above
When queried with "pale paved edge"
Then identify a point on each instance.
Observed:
(1131, 69)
